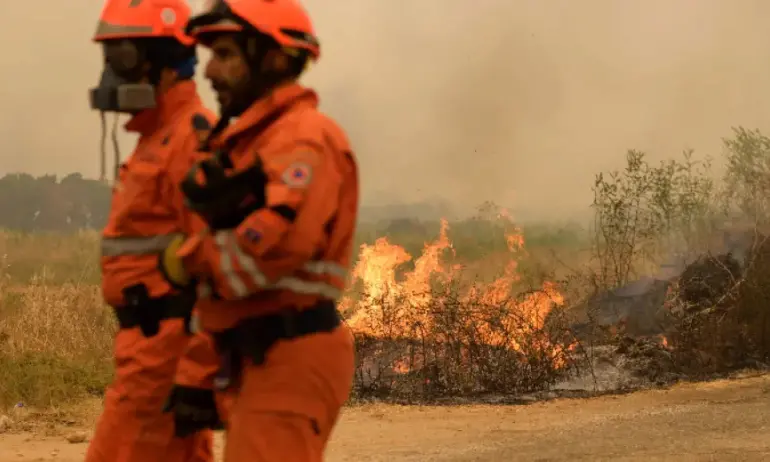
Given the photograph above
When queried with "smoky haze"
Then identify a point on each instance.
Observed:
(517, 101)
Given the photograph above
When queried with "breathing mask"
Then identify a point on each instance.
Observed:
(124, 86)
(132, 70)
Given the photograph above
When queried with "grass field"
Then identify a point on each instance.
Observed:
(55, 332)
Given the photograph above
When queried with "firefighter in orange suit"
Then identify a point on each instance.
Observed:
(149, 63)
(278, 201)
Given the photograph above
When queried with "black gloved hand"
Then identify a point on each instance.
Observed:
(222, 196)
(194, 410)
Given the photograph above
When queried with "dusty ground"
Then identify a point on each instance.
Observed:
(718, 421)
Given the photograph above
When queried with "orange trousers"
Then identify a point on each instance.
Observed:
(132, 427)
(284, 410)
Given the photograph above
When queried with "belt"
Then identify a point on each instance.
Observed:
(253, 337)
(147, 313)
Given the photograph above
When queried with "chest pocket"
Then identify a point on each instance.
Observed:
(139, 199)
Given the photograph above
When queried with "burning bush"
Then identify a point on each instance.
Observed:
(430, 334)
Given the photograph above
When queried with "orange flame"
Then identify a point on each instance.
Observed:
(409, 300)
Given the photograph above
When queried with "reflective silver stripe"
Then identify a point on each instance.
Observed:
(226, 243)
(326, 267)
(116, 246)
(230, 250)
(308, 288)
(204, 290)
(105, 28)
(221, 383)
(195, 324)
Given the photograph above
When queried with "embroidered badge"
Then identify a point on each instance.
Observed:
(298, 175)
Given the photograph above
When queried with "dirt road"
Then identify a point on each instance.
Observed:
(718, 421)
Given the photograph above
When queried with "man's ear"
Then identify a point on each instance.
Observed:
(276, 61)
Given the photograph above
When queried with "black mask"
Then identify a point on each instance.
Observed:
(119, 89)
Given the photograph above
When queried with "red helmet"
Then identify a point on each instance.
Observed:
(285, 21)
(122, 19)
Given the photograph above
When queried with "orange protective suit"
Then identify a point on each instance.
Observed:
(291, 254)
(141, 40)
(146, 207)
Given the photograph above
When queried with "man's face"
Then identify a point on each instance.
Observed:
(229, 74)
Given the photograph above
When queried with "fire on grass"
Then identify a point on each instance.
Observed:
(431, 331)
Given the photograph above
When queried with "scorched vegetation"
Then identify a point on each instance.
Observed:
(670, 280)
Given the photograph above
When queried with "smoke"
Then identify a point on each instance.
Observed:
(517, 101)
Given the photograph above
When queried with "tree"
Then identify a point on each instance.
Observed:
(46, 204)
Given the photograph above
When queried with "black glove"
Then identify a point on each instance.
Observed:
(194, 410)
(222, 196)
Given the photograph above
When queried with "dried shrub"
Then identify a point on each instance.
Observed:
(458, 345)
(707, 335)
(718, 315)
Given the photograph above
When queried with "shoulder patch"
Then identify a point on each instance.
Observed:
(297, 175)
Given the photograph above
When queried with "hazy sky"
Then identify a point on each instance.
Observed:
(519, 101)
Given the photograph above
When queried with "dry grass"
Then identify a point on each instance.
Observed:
(49, 258)
(55, 332)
